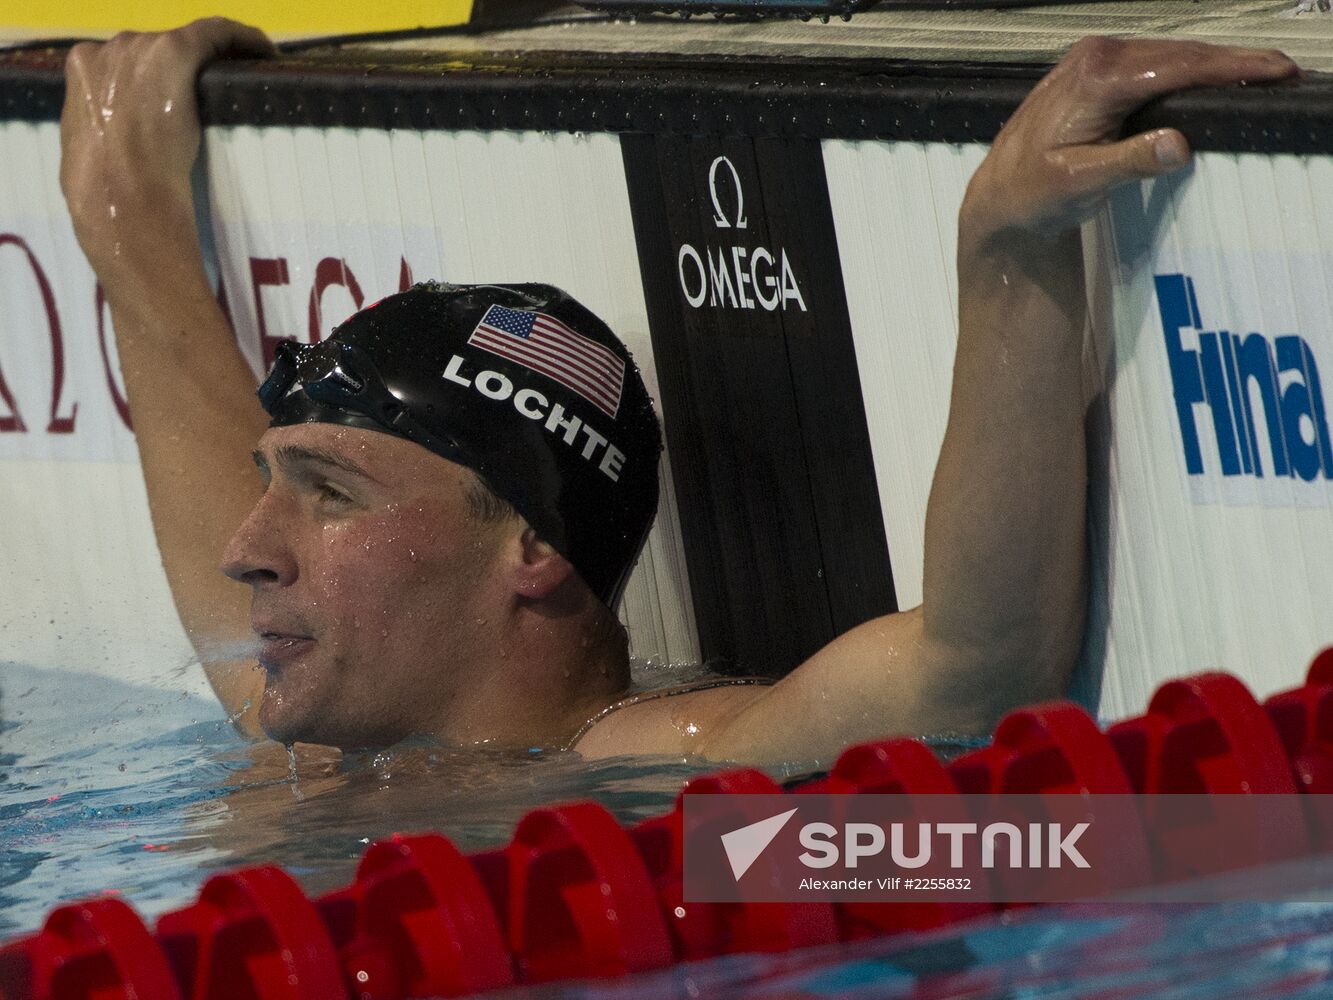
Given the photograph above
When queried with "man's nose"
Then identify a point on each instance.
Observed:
(259, 553)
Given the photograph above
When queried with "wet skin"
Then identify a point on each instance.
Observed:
(369, 584)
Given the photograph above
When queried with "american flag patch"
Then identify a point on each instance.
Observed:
(543, 344)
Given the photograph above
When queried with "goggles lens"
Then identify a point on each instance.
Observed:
(343, 377)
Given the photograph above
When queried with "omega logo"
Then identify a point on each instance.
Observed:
(720, 217)
(10, 419)
(735, 277)
(18, 257)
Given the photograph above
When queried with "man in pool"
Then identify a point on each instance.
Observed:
(433, 546)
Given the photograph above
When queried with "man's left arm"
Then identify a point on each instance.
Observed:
(1003, 610)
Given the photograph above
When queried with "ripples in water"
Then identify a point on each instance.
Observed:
(108, 787)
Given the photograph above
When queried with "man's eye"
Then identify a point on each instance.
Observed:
(333, 495)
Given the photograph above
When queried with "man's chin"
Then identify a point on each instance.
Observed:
(281, 723)
(287, 721)
(289, 718)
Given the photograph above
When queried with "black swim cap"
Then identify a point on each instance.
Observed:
(521, 384)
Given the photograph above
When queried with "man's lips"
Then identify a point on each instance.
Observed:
(278, 648)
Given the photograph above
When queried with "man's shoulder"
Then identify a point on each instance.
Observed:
(671, 722)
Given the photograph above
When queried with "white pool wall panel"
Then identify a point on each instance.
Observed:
(895, 207)
(82, 586)
(1229, 572)
(1189, 572)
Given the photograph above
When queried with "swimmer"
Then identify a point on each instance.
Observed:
(438, 530)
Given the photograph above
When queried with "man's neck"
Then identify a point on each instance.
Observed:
(543, 680)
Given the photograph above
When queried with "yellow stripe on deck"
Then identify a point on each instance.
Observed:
(302, 17)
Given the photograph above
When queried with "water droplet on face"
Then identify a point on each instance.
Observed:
(239, 712)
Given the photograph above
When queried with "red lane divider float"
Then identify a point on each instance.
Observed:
(704, 930)
(1057, 749)
(897, 767)
(253, 933)
(581, 902)
(1051, 748)
(1203, 734)
(416, 922)
(1304, 722)
(95, 949)
(576, 895)
(1207, 734)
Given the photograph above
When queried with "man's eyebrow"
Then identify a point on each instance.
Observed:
(289, 455)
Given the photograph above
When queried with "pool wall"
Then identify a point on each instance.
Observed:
(776, 244)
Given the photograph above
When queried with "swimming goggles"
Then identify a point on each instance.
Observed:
(342, 377)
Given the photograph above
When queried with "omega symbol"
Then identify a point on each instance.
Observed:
(720, 217)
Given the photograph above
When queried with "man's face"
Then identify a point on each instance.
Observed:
(370, 585)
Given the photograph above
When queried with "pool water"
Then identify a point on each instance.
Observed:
(111, 787)
(1222, 952)
(106, 786)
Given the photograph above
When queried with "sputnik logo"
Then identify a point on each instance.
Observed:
(744, 846)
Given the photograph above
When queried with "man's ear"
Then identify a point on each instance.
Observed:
(541, 569)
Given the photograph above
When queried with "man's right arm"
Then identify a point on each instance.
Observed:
(130, 134)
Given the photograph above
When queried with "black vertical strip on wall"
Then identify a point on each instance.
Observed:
(677, 406)
(775, 484)
(843, 487)
(751, 541)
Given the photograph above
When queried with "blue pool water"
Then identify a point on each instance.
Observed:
(1240, 951)
(107, 786)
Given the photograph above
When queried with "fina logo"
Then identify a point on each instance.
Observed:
(1263, 399)
(735, 277)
